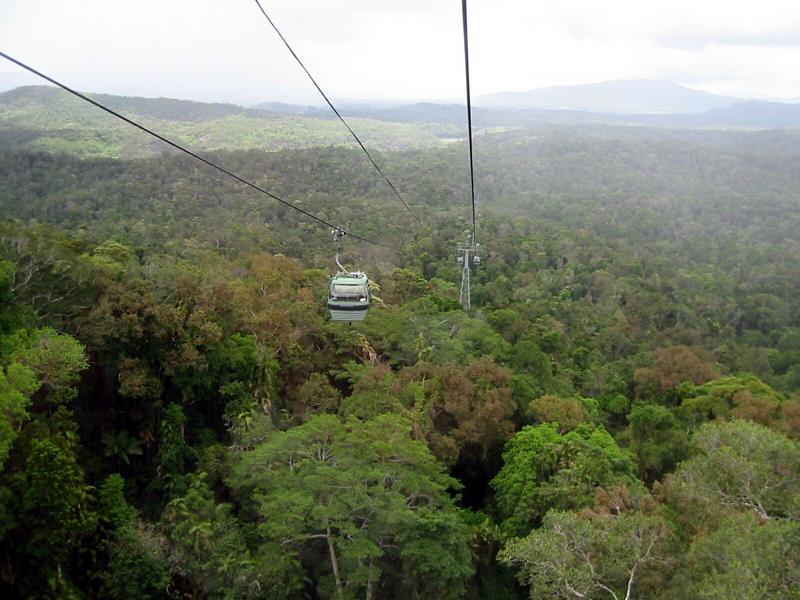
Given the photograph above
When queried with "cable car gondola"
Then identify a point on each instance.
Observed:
(348, 296)
(348, 292)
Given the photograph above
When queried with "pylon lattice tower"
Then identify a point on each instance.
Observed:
(468, 256)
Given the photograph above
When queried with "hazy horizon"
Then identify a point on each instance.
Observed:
(379, 51)
(32, 80)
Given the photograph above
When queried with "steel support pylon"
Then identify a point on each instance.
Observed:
(467, 257)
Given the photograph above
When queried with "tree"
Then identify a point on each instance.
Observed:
(53, 520)
(527, 356)
(316, 395)
(48, 278)
(57, 360)
(174, 454)
(567, 413)
(238, 371)
(138, 564)
(113, 508)
(12, 316)
(207, 545)
(17, 384)
(739, 396)
(671, 367)
(745, 557)
(374, 392)
(370, 495)
(545, 470)
(740, 466)
(509, 323)
(424, 329)
(658, 440)
(587, 556)
(405, 285)
(462, 412)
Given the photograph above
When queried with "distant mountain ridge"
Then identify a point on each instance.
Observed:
(756, 114)
(628, 96)
(46, 118)
(291, 109)
(154, 108)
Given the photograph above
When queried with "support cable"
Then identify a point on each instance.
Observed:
(190, 153)
(336, 112)
(469, 125)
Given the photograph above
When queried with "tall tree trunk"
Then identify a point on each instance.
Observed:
(369, 579)
(334, 562)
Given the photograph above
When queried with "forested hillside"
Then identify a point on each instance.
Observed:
(616, 417)
(45, 118)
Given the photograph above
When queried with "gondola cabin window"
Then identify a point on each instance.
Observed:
(348, 297)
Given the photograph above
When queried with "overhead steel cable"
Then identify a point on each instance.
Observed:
(192, 154)
(469, 124)
(336, 112)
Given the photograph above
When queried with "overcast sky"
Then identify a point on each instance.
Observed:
(224, 50)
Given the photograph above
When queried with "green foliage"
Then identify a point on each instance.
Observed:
(57, 360)
(207, 545)
(77, 129)
(112, 258)
(740, 466)
(121, 446)
(17, 384)
(361, 494)
(658, 439)
(463, 413)
(566, 413)
(174, 453)
(236, 360)
(719, 399)
(421, 330)
(545, 470)
(52, 520)
(405, 285)
(671, 367)
(610, 300)
(583, 557)
(55, 497)
(317, 395)
(493, 580)
(112, 505)
(744, 558)
(138, 565)
(6, 282)
(434, 556)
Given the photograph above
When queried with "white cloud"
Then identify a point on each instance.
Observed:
(215, 50)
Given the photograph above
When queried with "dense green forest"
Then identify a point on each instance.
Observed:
(616, 417)
(45, 118)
